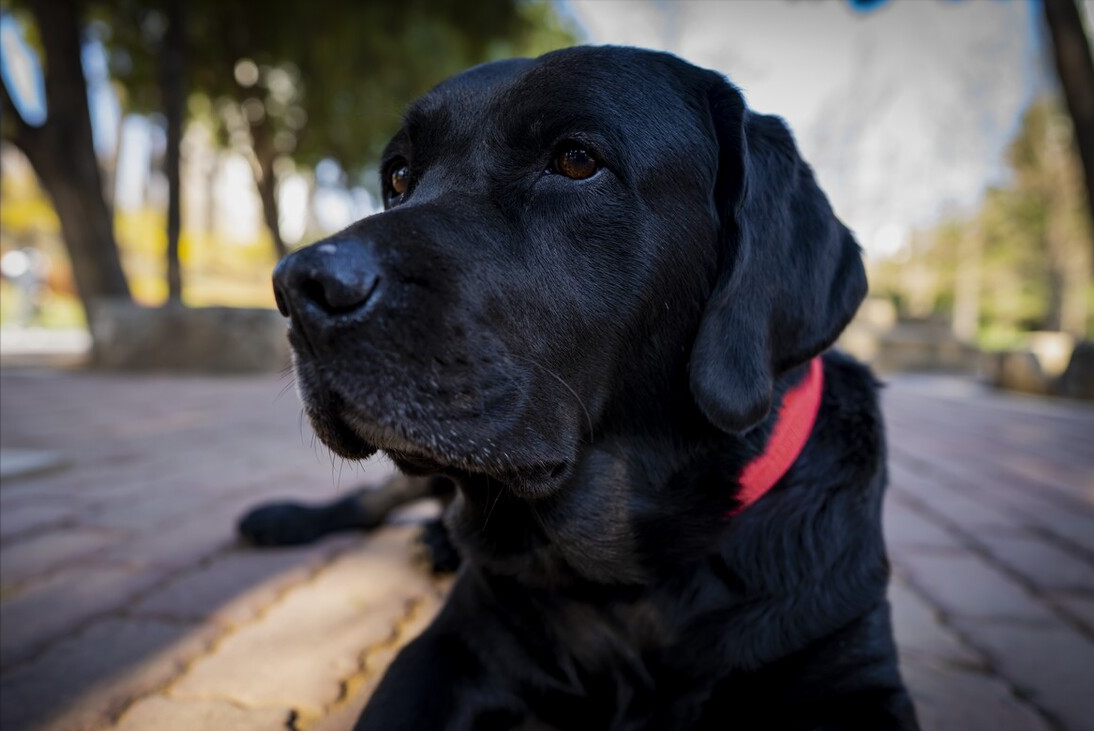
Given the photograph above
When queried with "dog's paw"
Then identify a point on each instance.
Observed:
(283, 524)
(437, 548)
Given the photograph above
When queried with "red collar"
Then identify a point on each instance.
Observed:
(797, 416)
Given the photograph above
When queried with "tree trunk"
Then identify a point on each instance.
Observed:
(271, 213)
(1073, 309)
(1053, 319)
(266, 180)
(966, 295)
(63, 156)
(1076, 72)
(173, 88)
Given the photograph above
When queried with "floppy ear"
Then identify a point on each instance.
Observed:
(791, 275)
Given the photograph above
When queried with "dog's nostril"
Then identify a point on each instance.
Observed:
(338, 295)
(313, 290)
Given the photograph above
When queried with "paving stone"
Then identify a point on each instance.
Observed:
(920, 633)
(236, 586)
(181, 544)
(50, 549)
(176, 461)
(949, 698)
(147, 510)
(16, 463)
(1080, 607)
(30, 518)
(1049, 446)
(1075, 526)
(105, 484)
(1052, 664)
(1041, 563)
(60, 604)
(1031, 505)
(965, 585)
(298, 651)
(906, 528)
(377, 661)
(970, 510)
(158, 713)
(1062, 471)
(85, 681)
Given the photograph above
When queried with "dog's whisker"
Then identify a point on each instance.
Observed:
(560, 379)
(494, 504)
(288, 387)
(341, 464)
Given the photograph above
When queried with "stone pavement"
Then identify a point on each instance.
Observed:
(126, 604)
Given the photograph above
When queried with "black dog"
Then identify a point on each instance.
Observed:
(595, 299)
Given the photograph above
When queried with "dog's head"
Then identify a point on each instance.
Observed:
(567, 240)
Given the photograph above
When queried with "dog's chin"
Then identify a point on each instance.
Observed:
(530, 481)
(339, 437)
(353, 438)
(464, 450)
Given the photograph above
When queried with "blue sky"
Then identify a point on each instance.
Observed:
(21, 72)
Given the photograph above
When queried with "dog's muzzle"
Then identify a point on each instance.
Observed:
(329, 285)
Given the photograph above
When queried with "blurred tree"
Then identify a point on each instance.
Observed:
(292, 83)
(173, 88)
(61, 152)
(1048, 199)
(1022, 261)
(1075, 69)
(969, 251)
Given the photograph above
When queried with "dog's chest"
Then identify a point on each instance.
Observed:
(615, 664)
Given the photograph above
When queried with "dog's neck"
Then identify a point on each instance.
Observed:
(622, 515)
(794, 423)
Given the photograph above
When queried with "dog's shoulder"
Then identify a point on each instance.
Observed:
(850, 423)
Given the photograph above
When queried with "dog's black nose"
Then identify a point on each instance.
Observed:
(326, 280)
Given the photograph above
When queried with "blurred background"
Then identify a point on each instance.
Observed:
(171, 152)
(157, 157)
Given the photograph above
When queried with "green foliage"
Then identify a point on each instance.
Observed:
(1028, 244)
(322, 78)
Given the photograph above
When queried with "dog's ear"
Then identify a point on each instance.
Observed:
(790, 274)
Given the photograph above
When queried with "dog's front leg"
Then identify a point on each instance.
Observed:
(854, 680)
(878, 711)
(444, 680)
(423, 688)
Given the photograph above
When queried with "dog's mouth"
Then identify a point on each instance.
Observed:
(417, 453)
(430, 444)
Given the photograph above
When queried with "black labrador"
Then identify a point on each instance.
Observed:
(599, 286)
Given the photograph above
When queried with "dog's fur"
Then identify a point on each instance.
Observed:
(593, 362)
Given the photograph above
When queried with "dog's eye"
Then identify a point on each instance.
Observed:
(399, 179)
(575, 162)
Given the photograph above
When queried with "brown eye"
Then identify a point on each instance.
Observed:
(400, 179)
(576, 163)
